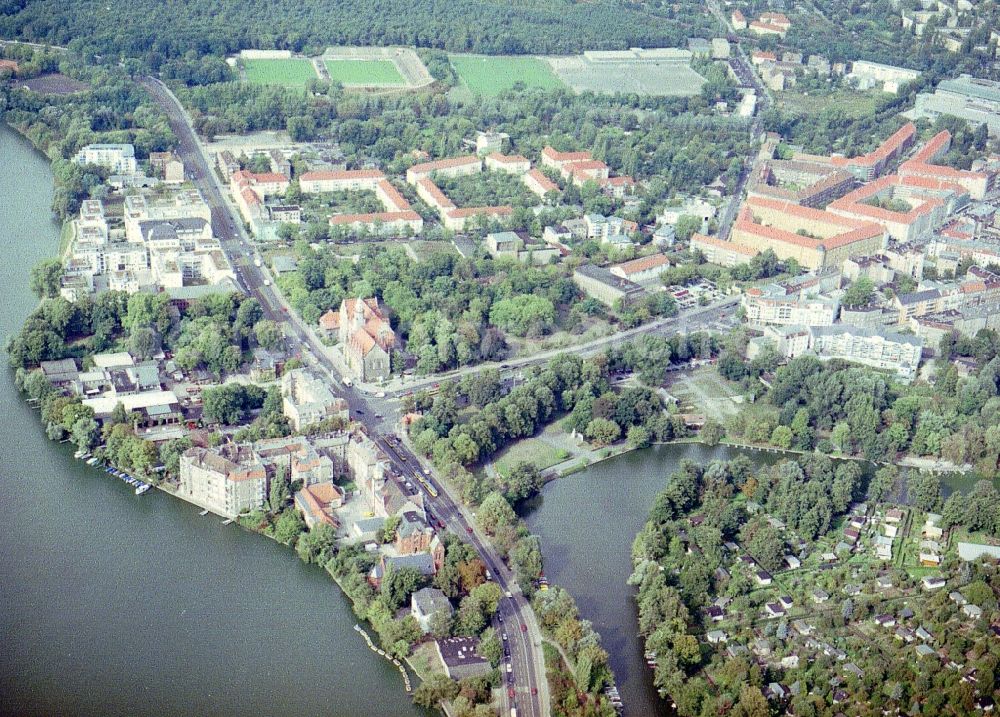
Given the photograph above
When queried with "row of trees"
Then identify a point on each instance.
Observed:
(113, 108)
(158, 34)
(450, 311)
(212, 333)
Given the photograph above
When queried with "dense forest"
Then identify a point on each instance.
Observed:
(158, 31)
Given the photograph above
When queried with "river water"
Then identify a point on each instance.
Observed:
(587, 523)
(113, 604)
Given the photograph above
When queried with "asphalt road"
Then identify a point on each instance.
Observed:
(514, 615)
(719, 314)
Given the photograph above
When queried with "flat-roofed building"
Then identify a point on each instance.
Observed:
(973, 99)
(604, 286)
(116, 158)
(775, 305)
(870, 74)
(884, 350)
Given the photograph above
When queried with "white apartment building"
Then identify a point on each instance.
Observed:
(116, 158)
(229, 480)
(890, 351)
(774, 305)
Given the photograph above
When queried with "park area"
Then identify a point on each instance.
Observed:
(489, 76)
(543, 451)
(291, 72)
(364, 73)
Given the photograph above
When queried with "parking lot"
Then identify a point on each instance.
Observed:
(700, 294)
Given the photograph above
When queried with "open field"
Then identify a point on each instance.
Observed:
(53, 84)
(537, 451)
(489, 76)
(364, 73)
(851, 102)
(643, 77)
(704, 391)
(292, 72)
(374, 68)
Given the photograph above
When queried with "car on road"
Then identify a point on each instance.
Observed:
(510, 693)
(468, 529)
(508, 593)
(509, 668)
(534, 691)
(505, 637)
(524, 628)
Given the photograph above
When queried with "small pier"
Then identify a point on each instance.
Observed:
(397, 663)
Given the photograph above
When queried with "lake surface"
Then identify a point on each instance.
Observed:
(114, 604)
(587, 522)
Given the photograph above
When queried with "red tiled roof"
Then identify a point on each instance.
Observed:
(546, 184)
(330, 320)
(884, 151)
(565, 156)
(439, 198)
(508, 158)
(335, 175)
(408, 215)
(644, 263)
(393, 196)
(473, 211)
(727, 245)
(449, 163)
(269, 177)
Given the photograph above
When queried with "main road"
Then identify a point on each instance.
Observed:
(516, 619)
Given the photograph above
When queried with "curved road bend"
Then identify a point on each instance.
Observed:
(528, 667)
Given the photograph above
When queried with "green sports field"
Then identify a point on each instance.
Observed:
(294, 72)
(364, 72)
(489, 76)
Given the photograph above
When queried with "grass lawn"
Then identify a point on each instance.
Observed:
(852, 102)
(536, 451)
(294, 72)
(364, 72)
(424, 661)
(704, 391)
(489, 76)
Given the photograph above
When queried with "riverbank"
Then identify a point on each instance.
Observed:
(202, 619)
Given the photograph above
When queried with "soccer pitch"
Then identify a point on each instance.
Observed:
(489, 76)
(364, 73)
(292, 72)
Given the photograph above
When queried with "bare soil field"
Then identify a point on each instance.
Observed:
(53, 84)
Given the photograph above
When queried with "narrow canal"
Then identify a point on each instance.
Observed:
(587, 523)
(117, 604)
